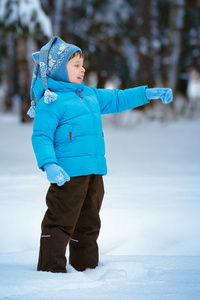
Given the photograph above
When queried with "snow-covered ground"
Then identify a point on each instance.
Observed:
(149, 242)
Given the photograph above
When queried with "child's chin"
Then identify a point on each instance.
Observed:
(77, 81)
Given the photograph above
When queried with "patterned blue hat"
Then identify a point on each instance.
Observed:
(51, 61)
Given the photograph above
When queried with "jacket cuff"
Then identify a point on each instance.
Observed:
(144, 97)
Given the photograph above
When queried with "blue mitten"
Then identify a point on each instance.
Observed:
(56, 174)
(164, 93)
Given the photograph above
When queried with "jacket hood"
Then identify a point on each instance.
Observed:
(55, 87)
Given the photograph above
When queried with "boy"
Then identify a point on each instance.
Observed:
(68, 143)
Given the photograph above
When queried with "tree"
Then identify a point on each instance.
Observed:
(147, 42)
(97, 27)
(19, 21)
(176, 25)
(150, 42)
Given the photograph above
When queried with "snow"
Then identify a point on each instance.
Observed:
(193, 85)
(28, 13)
(149, 242)
(31, 14)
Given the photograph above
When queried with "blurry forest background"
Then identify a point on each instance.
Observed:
(126, 43)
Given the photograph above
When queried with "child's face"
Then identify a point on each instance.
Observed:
(75, 69)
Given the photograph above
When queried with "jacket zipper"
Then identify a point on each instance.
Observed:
(79, 92)
(70, 135)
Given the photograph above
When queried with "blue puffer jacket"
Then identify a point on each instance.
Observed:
(69, 132)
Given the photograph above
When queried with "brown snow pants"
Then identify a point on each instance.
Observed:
(72, 216)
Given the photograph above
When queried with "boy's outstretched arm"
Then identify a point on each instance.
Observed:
(115, 101)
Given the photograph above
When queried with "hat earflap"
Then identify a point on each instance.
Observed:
(40, 59)
(43, 58)
(31, 111)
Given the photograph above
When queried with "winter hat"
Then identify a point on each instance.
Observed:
(51, 61)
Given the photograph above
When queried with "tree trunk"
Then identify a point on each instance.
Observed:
(101, 80)
(58, 15)
(8, 80)
(145, 20)
(23, 77)
(176, 24)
